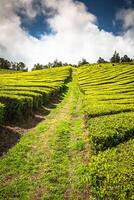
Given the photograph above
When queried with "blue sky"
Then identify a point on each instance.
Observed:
(40, 31)
(104, 10)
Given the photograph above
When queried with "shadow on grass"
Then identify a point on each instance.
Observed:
(11, 132)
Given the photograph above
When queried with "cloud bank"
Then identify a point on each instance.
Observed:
(74, 33)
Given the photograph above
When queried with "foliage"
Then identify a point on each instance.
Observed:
(101, 60)
(82, 62)
(8, 71)
(109, 131)
(16, 106)
(21, 93)
(4, 64)
(20, 67)
(115, 58)
(108, 104)
(109, 115)
(111, 173)
(55, 63)
(37, 67)
(55, 153)
(44, 164)
(126, 59)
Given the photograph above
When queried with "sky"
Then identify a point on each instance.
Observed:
(40, 31)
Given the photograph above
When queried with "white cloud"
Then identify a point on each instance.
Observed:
(76, 34)
(127, 17)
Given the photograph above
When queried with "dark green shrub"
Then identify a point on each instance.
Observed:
(111, 173)
(109, 131)
(16, 106)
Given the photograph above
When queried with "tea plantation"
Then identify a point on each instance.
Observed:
(84, 147)
(21, 93)
(109, 113)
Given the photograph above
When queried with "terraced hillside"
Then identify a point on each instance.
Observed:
(21, 93)
(50, 161)
(7, 71)
(83, 149)
(109, 108)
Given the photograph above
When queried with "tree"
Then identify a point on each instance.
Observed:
(37, 67)
(65, 64)
(57, 63)
(125, 58)
(115, 58)
(4, 64)
(13, 65)
(20, 66)
(50, 65)
(101, 60)
(82, 62)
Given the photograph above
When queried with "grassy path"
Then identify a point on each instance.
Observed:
(50, 162)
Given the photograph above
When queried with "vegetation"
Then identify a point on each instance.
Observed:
(101, 60)
(21, 93)
(5, 64)
(55, 63)
(125, 58)
(109, 114)
(84, 147)
(50, 162)
(8, 71)
(109, 131)
(82, 62)
(115, 58)
(20, 66)
(112, 173)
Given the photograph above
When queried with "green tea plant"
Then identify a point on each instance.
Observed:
(21, 93)
(108, 103)
(111, 173)
(109, 114)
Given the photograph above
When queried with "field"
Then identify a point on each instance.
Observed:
(109, 113)
(21, 93)
(83, 149)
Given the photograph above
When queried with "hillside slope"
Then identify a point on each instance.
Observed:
(109, 113)
(51, 161)
(22, 93)
(83, 149)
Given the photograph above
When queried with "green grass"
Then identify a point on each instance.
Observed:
(56, 177)
(50, 162)
(20, 165)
